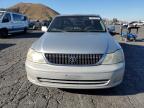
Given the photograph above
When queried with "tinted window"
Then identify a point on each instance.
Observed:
(77, 24)
(6, 18)
(17, 17)
(24, 18)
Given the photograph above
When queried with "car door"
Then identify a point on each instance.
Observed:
(18, 24)
(7, 22)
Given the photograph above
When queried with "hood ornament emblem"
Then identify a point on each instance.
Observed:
(72, 59)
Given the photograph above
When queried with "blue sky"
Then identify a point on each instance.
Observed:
(121, 9)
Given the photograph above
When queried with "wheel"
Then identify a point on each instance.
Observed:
(3, 33)
(134, 39)
(25, 30)
(131, 39)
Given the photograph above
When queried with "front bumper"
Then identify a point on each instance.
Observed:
(76, 77)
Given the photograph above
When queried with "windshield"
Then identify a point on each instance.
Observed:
(77, 24)
(1, 14)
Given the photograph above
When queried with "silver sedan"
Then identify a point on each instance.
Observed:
(76, 52)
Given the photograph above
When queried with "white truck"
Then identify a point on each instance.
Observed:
(11, 22)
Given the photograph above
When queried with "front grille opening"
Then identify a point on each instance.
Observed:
(66, 81)
(73, 59)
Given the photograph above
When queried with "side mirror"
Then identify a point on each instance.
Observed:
(111, 29)
(44, 28)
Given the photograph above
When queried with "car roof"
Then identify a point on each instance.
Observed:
(72, 15)
(13, 13)
(3, 11)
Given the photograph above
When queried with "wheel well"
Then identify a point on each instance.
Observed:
(25, 28)
(5, 29)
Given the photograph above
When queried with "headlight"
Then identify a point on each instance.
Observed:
(114, 58)
(34, 56)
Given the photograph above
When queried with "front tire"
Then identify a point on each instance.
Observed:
(25, 30)
(3, 33)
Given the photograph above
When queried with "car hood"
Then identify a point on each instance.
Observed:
(76, 43)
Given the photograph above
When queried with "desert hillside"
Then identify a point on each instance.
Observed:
(34, 11)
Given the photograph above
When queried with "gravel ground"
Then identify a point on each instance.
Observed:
(17, 92)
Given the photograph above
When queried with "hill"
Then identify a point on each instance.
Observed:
(34, 11)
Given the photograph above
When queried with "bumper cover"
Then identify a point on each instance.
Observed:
(76, 77)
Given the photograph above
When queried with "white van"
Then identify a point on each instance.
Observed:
(11, 23)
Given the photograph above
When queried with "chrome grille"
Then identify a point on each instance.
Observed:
(73, 59)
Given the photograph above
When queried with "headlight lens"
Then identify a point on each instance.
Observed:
(114, 58)
(34, 56)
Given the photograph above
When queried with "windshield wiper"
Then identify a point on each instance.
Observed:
(76, 31)
(95, 31)
(56, 30)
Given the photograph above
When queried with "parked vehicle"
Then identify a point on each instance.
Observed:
(111, 29)
(136, 23)
(76, 52)
(35, 25)
(125, 25)
(12, 23)
(141, 23)
(31, 24)
(128, 35)
(45, 25)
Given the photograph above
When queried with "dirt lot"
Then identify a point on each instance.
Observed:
(17, 92)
